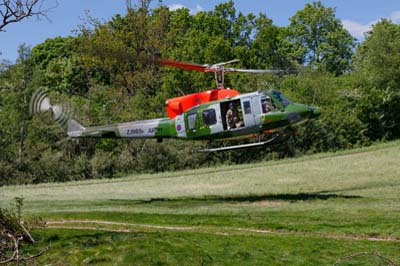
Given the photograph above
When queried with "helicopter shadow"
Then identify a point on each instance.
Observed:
(289, 197)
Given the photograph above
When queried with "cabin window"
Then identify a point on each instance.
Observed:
(247, 107)
(209, 117)
(192, 120)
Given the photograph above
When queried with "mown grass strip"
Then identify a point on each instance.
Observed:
(217, 230)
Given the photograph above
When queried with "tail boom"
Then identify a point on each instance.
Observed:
(155, 128)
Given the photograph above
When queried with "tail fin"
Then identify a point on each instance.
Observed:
(40, 103)
(74, 128)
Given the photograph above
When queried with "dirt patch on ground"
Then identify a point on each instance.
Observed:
(205, 187)
(268, 203)
(259, 203)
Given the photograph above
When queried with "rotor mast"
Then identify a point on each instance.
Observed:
(219, 71)
(219, 79)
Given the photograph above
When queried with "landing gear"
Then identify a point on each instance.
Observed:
(261, 141)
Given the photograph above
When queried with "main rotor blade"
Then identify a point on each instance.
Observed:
(228, 62)
(260, 71)
(219, 67)
(179, 64)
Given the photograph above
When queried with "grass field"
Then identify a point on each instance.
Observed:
(311, 210)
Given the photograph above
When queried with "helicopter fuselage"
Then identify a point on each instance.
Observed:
(243, 115)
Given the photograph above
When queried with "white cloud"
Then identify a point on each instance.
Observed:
(176, 6)
(395, 16)
(358, 30)
(192, 11)
(199, 9)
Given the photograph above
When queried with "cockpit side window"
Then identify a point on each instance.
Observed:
(281, 98)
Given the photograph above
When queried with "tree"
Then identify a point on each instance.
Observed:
(379, 55)
(268, 45)
(114, 52)
(59, 64)
(24, 51)
(4, 65)
(318, 39)
(378, 60)
(12, 11)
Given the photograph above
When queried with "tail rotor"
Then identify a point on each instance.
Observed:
(40, 103)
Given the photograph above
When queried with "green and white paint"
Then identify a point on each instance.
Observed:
(204, 121)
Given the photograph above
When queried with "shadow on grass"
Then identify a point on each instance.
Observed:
(376, 184)
(247, 198)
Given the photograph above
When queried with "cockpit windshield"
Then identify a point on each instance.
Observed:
(281, 98)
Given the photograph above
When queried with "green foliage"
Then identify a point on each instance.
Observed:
(378, 57)
(14, 234)
(9, 222)
(24, 53)
(269, 45)
(12, 219)
(380, 111)
(378, 61)
(339, 126)
(59, 64)
(103, 165)
(318, 39)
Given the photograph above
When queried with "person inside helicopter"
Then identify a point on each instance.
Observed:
(231, 116)
(267, 105)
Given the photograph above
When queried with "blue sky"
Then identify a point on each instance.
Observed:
(357, 16)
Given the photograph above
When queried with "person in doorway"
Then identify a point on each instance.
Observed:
(231, 117)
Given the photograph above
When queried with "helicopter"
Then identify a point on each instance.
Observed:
(212, 115)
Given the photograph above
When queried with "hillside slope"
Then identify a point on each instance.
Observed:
(305, 211)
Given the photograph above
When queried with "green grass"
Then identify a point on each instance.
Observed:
(179, 248)
(312, 210)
